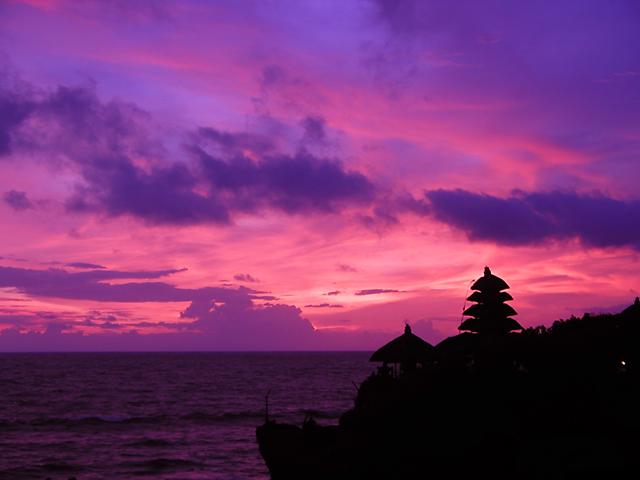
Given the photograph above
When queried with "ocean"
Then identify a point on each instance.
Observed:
(160, 415)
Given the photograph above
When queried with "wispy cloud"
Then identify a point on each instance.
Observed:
(324, 305)
(376, 291)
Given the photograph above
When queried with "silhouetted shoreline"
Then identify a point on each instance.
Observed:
(557, 402)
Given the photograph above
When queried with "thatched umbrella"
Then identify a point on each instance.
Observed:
(403, 349)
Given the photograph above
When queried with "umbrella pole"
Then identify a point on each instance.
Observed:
(266, 406)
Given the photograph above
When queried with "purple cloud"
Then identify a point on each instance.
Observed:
(324, 305)
(375, 291)
(314, 129)
(93, 285)
(163, 196)
(492, 39)
(235, 323)
(55, 339)
(333, 292)
(17, 200)
(227, 318)
(230, 144)
(292, 183)
(102, 139)
(245, 277)
(240, 324)
(380, 219)
(84, 265)
(426, 329)
(272, 75)
(531, 218)
(14, 109)
(343, 267)
(62, 320)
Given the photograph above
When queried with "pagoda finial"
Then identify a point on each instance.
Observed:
(407, 329)
(487, 271)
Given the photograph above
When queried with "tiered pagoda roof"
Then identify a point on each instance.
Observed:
(490, 313)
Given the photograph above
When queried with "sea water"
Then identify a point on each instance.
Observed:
(160, 415)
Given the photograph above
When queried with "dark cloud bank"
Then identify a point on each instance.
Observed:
(223, 174)
(532, 218)
(218, 174)
(215, 318)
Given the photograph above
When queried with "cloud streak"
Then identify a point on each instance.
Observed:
(324, 305)
(93, 285)
(375, 291)
(85, 265)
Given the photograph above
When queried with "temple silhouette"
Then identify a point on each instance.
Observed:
(490, 313)
(495, 401)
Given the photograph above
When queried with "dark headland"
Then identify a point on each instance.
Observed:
(496, 401)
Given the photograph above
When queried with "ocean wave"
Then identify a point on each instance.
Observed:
(204, 417)
(115, 420)
(81, 420)
(150, 442)
(104, 419)
(160, 464)
(196, 417)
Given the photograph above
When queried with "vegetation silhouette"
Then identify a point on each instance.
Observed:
(558, 402)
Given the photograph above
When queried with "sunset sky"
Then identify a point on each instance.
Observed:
(310, 175)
